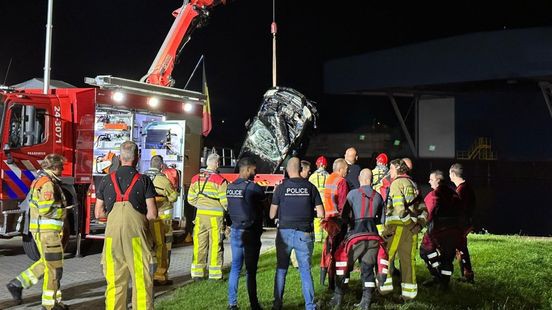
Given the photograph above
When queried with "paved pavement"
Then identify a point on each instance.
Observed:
(83, 285)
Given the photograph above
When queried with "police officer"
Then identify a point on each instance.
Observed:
(295, 202)
(128, 198)
(245, 207)
(161, 228)
(47, 213)
(208, 194)
(305, 173)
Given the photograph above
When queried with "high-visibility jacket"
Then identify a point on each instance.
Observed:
(173, 175)
(318, 178)
(378, 175)
(335, 195)
(47, 204)
(165, 193)
(208, 193)
(403, 205)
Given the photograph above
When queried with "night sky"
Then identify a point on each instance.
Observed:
(121, 38)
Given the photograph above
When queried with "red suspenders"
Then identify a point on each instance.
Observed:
(123, 197)
(370, 203)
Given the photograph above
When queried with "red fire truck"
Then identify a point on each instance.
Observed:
(86, 125)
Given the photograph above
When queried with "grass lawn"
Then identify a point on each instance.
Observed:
(511, 272)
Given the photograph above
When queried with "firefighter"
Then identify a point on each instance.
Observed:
(294, 203)
(351, 158)
(127, 198)
(161, 228)
(443, 233)
(467, 198)
(207, 194)
(380, 171)
(318, 178)
(335, 198)
(403, 220)
(245, 207)
(47, 214)
(366, 205)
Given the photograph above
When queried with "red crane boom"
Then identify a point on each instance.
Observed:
(192, 15)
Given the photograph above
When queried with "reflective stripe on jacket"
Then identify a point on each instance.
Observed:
(208, 193)
(166, 194)
(403, 206)
(47, 205)
(335, 195)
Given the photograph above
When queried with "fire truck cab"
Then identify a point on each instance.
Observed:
(86, 126)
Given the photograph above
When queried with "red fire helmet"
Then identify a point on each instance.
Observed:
(382, 158)
(321, 161)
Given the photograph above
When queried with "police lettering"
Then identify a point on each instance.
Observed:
(293, 191)
(237, 193)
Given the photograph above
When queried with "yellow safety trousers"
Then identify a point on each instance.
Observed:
(402, 240)
(127, 253)
(162, 234)
(208, 242)
(49, 266)
(319, 232)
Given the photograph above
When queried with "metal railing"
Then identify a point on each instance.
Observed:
(481, 150)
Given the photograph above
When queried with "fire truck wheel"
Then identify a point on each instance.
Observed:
(29, 246)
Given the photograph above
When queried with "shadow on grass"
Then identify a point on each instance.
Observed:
(502, 282)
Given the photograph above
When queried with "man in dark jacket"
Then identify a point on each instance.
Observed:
(351, 157)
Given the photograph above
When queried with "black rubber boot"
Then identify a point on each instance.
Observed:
(365, 301)
(323, 273)
(58, 306)
(16, 290)
(335, 302)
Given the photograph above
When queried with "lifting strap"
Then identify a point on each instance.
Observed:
(123, 197)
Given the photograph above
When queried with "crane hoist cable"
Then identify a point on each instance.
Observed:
(273, 30)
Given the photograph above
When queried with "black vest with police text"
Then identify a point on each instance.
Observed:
(241, 211)
(296, 209)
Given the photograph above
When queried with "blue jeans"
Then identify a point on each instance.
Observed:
(303, 243)
(246, 245)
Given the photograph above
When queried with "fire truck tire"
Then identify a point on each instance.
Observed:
(30, 248)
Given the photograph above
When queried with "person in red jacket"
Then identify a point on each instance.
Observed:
(334, 199)
(443, 233)
(467, 197)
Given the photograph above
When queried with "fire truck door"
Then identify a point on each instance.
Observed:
(26, 139)
(166, 138)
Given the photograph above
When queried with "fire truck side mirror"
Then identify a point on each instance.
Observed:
(7, 152)
(29, 126)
